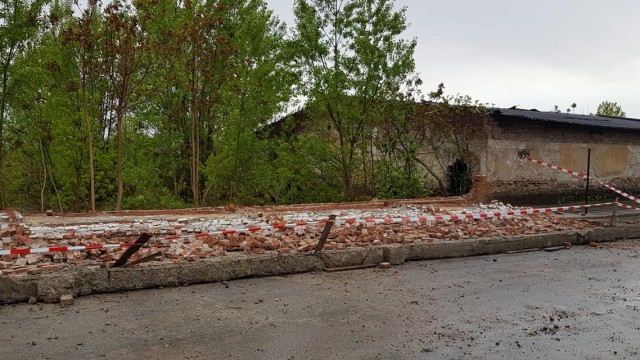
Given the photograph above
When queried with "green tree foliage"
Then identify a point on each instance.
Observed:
(236, 169)
(80, 45)
(20, 21)
(128, 58)
(33, 110)
(170, 103)
(610, 108)
(353, 62)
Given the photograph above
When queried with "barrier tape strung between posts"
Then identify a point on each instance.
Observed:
(631, 207)
(246, 230)
(385, 220)
(583, 176)
(25, 251)
(390, 220)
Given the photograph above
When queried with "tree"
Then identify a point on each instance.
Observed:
(33, 111)
(352, 62)
(128, 60)
(80, 44)
(263, 82)
(20, 23)
(207, 50)
(442, 127)
(610, 108)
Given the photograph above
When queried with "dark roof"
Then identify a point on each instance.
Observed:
(573, 119)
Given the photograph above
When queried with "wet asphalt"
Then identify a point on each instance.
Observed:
(579, 303)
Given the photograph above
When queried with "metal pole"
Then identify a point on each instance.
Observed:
(132, 250)
(325, 233)
(586, 191)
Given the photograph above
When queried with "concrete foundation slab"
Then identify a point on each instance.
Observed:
(83, 281)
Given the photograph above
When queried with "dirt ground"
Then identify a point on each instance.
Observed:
(230, 209)
(580, 303)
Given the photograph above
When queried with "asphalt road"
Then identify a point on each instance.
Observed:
(581, 303)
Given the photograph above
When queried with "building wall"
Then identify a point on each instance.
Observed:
(471, 134)
(615, 158)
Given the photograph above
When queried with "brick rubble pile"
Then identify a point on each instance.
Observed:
(15, 234)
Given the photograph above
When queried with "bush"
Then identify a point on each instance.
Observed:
(399, 184)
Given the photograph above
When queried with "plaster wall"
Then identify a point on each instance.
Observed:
(508, 176)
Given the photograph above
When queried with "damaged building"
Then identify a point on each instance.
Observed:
(509, 136)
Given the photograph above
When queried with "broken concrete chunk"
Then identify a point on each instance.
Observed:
(66, 299)
(32, 258)
(21, 262)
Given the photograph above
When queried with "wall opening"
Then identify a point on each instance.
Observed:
(459, 178)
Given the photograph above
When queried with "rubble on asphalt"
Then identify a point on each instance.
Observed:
(14, 233)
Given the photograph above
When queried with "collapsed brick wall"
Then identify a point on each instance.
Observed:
(10, 216)
(615, 158)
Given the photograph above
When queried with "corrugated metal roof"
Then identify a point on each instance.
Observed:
(573, 119)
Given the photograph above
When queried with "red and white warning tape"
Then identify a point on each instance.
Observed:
(385, 220)
(25, 251)
(246, 230)
(630, 197)
(555, 167)
(469, 216)
(631, 207)
(583, 176)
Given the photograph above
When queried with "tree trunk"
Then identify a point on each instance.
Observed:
(195, 184)
(44, 176)
(3, 108)
(441, 184)
(195, 136)
(92, 179)
(49, 164)
(346, 178)
(119, 137)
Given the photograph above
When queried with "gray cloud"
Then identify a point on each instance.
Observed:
(535, 54)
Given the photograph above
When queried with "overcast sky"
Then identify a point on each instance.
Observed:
(534, 54)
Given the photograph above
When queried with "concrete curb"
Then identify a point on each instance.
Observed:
(90, 280)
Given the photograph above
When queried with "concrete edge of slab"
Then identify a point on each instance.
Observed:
(90, 280)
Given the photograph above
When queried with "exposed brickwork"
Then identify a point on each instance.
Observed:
(524, 129)
(10, 216)
(479, 192)
(546, 190)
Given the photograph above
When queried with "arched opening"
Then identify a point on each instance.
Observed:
(459, 178)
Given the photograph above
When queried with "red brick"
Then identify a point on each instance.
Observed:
(304, 248)
(34, 271)
(51, 267)
(106, 257)
(192, 257)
